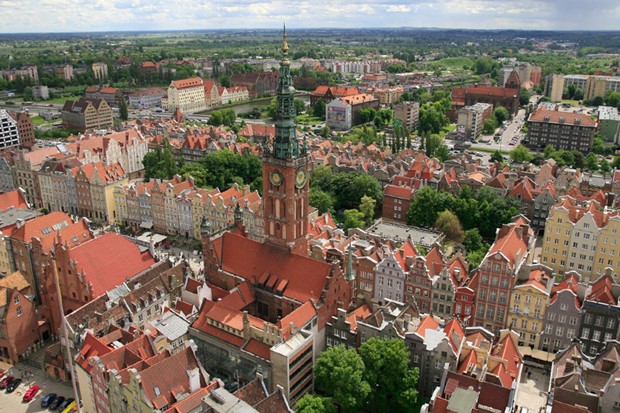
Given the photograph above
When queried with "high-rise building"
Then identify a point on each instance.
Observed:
(554, 87)
(100, 70)
(9, 135)
(408, 113)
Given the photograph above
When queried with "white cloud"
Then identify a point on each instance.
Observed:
(102, 15)
(398, 8)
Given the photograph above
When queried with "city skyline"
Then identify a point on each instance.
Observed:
(139, 15)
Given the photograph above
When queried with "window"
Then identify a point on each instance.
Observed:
(548, 328)
(611, 323)
(570, 333)
(19, 311)
(562, 318)
(551, 316)
(16, 300)
(559, 331)
(596, 335)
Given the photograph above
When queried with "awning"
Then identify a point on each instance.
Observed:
(525, 350)
(543, 355)
(146, 225)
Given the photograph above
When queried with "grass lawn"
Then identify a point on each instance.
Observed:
(306, 119)
(570, 102)
(38, 121)
(62, 99)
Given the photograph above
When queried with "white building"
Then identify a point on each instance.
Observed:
(187, 95)
(9, 134)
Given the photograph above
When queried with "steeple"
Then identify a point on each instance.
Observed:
(285, 144)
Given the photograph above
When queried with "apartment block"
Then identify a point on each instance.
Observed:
(563, 130)
(187, 95)
(84, 114)
(408, 113)
(470, 120)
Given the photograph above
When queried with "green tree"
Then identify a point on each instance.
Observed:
(449, 224)
(122, 109)
(315, 404)
(338, 373)
(497, 157)
(368, 207)
(326, 132)
(367, 115)
(472, 240)
(501, 114)
(353, 219)
(571, 91)
(520, 154)
(489, 126)
(319, 109)
(321, 200)
(225, 167)
(549, 151)
(432, 118)
(300, 106)
(387, 372)
(524, 97)
(579, 94)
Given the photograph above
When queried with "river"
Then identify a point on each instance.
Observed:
(259, 103)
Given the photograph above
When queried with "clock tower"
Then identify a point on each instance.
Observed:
(285, 172)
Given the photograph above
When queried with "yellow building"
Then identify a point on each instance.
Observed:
(187, 95)
(583, 237)
(528, 302)
(102, 183)
(595, 86)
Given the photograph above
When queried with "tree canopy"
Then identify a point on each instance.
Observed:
(484, 210)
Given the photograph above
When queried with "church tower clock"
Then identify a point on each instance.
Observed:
(285, 172)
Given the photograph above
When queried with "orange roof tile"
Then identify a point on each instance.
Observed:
(187, 83)
(42, 226)
(13, 199)
(264, 263)
(109, 260)
(567, 118)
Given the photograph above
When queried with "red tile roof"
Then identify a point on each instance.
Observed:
(166, 380)
(567, 118)
(42, 226)
(187, 83)
(335, 91)
(402, 192)
(13, 199)
(109, 260)
(298, 317)
(362, 312)
(300, 278)
(92, 347)
(509, 243)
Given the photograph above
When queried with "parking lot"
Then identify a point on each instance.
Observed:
(12, 402)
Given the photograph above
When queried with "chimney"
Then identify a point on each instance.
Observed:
(194, 379)
(19, 223)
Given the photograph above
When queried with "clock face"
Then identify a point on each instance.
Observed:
(300, 178)
(275, 177)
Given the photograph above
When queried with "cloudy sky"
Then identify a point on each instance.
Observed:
(110, 15)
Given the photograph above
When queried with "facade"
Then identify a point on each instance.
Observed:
(258, 84)
(563, 317)
(563, 130)
(9, 135)
(19, 328)
(609, 123)
(496, 96)
(554, 87)
(84, 114)
(100, 70)
(343, 113)
(600, 314)
(528, 303)
(470, 120)
(391, 274)
(396, 201)
(40, 92)
(582, 237)
(498, 271)
(408, 113)
(111, 95)
(25, 129)
(187, 95)
(146, 98)
(434, 349)
(64, 72)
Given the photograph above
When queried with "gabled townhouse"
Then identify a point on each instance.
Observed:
(497, 274)
(581, 236)
(342, 329)
(19, 328)
(434, 349)
(563, 317)
(600, 315)
(391, 273)
(528, 303)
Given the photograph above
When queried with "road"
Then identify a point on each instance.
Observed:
(12, 402)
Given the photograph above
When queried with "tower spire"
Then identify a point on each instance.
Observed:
(284, 43)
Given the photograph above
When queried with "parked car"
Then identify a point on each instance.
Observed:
(71, 407)
(30, 393)
(56, 402)
(66, 403)
(10, 388)
(5, 381)
(47, 400)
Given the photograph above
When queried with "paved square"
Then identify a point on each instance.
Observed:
(533, 389)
